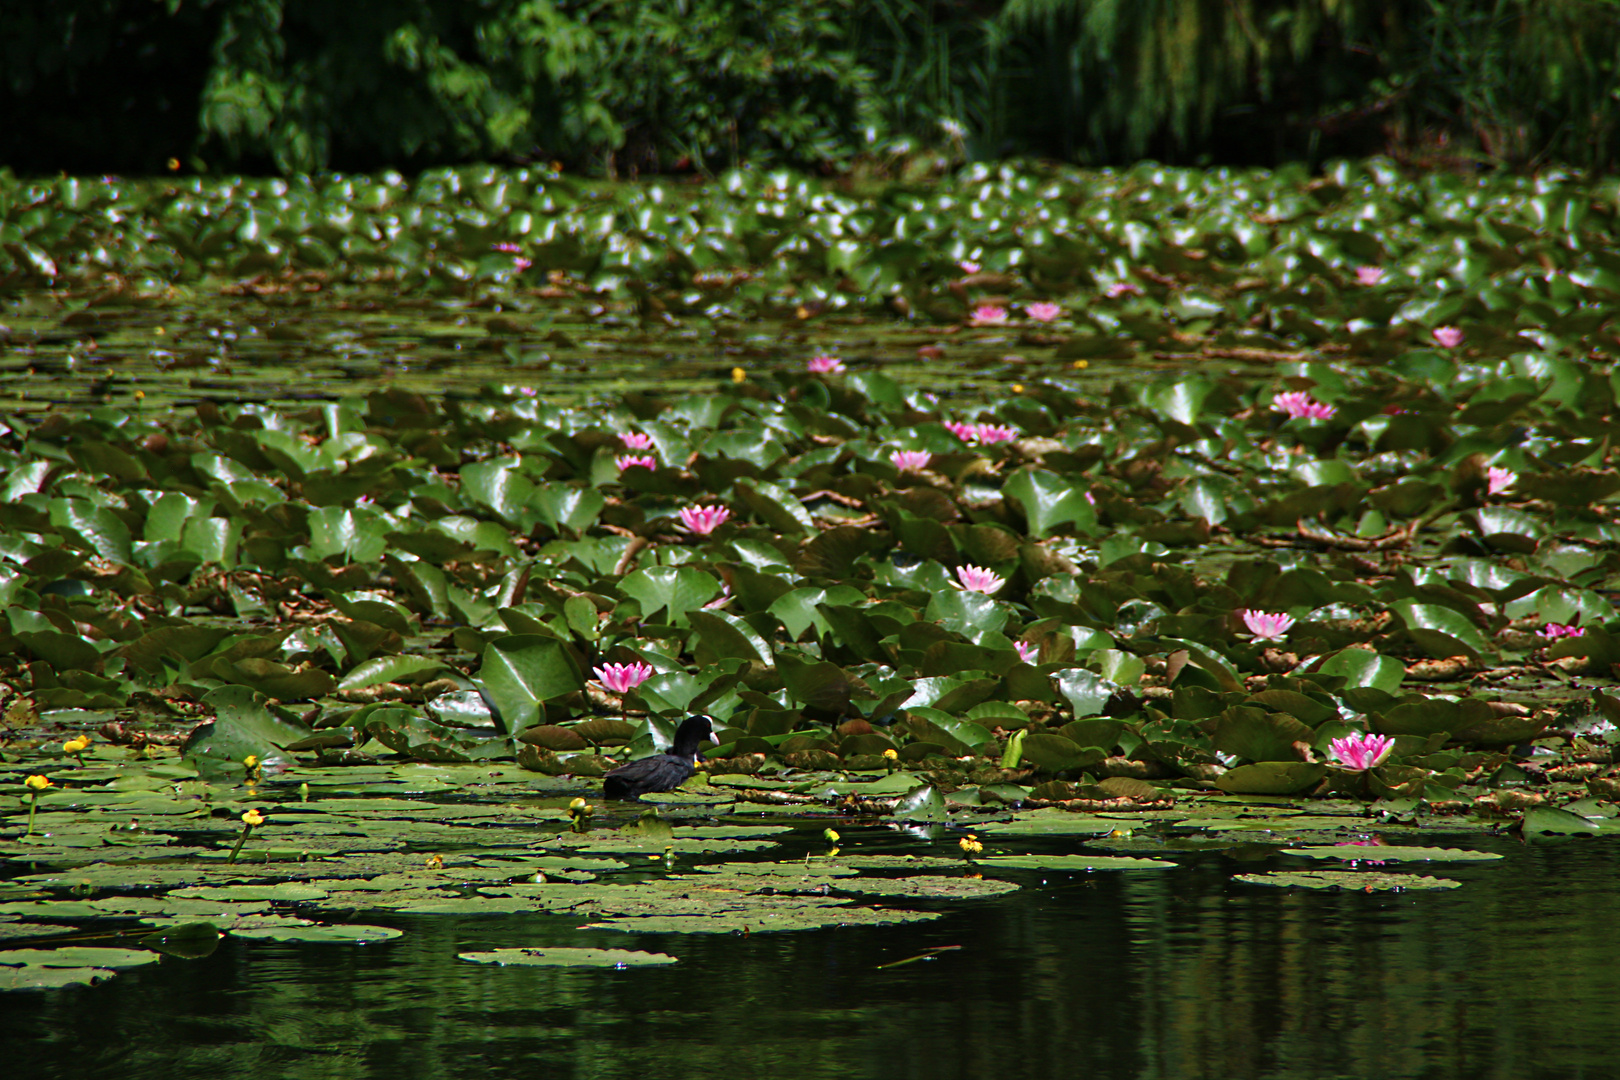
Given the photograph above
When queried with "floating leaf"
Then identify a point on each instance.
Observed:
(1392, 853)
(564, 957)
(1349, 880)
(1070, 862)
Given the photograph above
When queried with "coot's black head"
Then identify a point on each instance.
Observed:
(694, 731)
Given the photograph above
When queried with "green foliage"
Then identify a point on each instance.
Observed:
(1444, 81)
(907, 86)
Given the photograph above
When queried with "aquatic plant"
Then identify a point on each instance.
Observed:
(1267, 626)
(911, 460)
(978, 579)
(1358, 753)
(1301, 406)
(703, 520)
(622, 678)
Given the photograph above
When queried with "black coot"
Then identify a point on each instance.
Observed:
(661, 772)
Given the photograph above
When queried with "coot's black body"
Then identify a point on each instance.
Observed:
(661, 772)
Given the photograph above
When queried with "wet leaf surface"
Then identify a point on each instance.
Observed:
(561, 957)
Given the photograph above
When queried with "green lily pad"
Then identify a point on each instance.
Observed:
(1393, 853)
(562, 957)
(773, 922)
(1070, 862)
(1050, 822)
(1348, 880)
(1270, 778)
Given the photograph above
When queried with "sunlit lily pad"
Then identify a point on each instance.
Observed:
(70, 956)
(933, 886)
(1350, 880)
(303, 931)
(763, 922)
(564, 957)
(1050, 822)
(1070, 862)
(1393, 853)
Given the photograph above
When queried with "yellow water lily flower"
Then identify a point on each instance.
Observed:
(253, 817)
(39, 783)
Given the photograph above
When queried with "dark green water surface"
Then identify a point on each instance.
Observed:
(1173, 974)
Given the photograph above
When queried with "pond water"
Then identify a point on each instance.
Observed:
(1140, 974)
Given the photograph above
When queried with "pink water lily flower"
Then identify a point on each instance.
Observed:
(962, 431)
(1553, 631)
(622, 678)
(703, 520)
(630, 461)
(994, 433)
(1265, 626)
(978, 579)
(1499, 480)
(989, 315)
(969, 266)
(1448, 337)
(1043, 311)
(824, 365)
(634, 440)
(911, 460)
(519, 262)
(1358, 753)
(1027, 652)
(1369, 275)
(1122, 288)
(1301, 406)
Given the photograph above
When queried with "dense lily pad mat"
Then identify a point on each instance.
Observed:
(1284, 464)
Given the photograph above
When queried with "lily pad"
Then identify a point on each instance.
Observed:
(1392, 853)
(1348, 880)
(564, 957)
(1070, 862)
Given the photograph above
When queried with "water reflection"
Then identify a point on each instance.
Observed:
(1176, 975)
